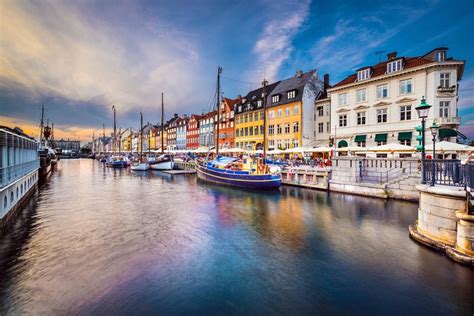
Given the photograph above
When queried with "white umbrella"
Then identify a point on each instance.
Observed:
(393, 147)
(275, 152)
(297, 150)
(353, 149)
(449, 146)
(323, 149)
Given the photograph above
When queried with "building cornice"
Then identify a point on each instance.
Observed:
(398, 74)
(406, 99)
(381, 103)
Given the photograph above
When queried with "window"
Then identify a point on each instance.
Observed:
(251, 131)
(382, 91)
(287, 112)
(287, 128)
(259, 103)
(271, 114)
(320, 111)
(320, 127)
(261, 115)
(444, 80)
(361, 143)
(405, 86)
(295, 143)
(406, 142)
(256, 130)
(361, 118)
(5, 202)
(382, 116)
(291, 94)
(343, 120)
(261, 129)
(440, 56)
(363, 74)
(328, 127)
(275, 98)
(405, 113)
(287, 143)
(278, 143)
(250, 117)
(394, 66)
(279, 129)
(295, 110)
(342, 99)
(361, 95)
(246, 118)
(279, 113)
(444, 109)
(271, 143)
(271, 129)
(296, 127)
(246, 131)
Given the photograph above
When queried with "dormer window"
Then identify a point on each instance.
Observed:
(291, 94)
(275, 98)
(363, 74)
(259, 103)
(440, 56)
(394, 66)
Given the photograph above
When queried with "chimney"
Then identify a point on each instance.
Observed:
(326, 81)
(391, 55)
(299, 73)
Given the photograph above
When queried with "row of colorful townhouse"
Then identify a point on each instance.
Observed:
(372, 106)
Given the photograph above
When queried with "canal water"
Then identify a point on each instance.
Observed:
(101, 241)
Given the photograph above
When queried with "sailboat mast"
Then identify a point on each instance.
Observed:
(264, 95)
(93, 143)
(103, 139)
(219, 71)
(141, 136)
(162, 125)
(52, 135)
(115, 131)
(42, 125)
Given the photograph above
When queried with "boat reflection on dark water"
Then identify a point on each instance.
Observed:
(97, 240)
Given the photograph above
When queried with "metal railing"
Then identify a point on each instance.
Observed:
(447, 172)
(13, 173)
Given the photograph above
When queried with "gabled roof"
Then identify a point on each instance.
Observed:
(296, 83)
(252, 97)
(380, 69)
(208, 115)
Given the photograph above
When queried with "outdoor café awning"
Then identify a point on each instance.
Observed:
(360, 138)
(394, 147)
(404, 135)
(381, 137)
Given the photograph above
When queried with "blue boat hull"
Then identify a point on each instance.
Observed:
(257, 182)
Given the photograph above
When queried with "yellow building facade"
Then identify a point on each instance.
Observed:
(249, 130)
(284, 126)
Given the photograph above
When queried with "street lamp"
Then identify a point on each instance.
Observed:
(434, 131)
(422, 109)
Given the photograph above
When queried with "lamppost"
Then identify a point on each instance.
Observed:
(422, 109)
(434, 131)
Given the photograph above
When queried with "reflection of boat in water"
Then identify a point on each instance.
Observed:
(162, 175)
(243, 174)
(163, 162)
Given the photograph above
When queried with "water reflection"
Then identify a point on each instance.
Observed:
(98, 240)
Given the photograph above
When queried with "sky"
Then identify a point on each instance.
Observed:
(78, 58)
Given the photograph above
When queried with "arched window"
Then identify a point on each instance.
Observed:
(17, 192)
(11, 197)
(5, 202)
(21, 190)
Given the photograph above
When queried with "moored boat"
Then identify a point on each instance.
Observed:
(163, 162)
(243, 173)
(140, 165)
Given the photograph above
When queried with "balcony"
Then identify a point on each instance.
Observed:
(451, 121)
(443, 89)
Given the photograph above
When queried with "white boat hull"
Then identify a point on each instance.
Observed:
(140, 166)
(166, 165)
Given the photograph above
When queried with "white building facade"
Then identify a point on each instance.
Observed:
(376, 105)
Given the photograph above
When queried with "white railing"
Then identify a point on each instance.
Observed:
(13, 173)
(449, 120)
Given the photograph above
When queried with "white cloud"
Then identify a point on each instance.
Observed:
(274, 45)
(63, 49)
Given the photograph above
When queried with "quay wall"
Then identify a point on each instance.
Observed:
(444, 223)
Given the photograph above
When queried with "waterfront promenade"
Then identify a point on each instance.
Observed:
(95, 240)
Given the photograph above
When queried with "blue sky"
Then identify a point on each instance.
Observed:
(80, 57)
